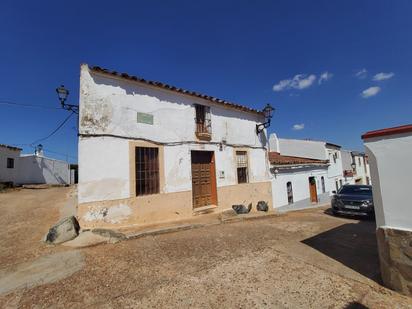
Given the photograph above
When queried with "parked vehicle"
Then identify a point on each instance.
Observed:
(353, 200)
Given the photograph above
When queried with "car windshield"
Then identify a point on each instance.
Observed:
(358, 190)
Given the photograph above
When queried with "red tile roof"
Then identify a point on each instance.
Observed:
(11, 147)
(176, 89)
(388, 131)
(276, 158)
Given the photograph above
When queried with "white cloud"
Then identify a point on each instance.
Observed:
(299, 81)
(325, 76)
(370, 92)
(361, 74)
(382, 76)
(298, 126)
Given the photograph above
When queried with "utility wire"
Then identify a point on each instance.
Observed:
(27, 105)
(54, 131)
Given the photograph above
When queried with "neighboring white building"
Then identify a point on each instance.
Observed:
(19, 169)
(150, 152)
(362, 170)
(9, 165)
(390, 152)
(298, 182)
(355, 167)
(317, 150)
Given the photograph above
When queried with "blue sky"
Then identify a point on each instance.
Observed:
(236, 50)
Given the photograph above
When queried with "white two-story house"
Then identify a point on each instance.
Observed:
(150, 152)
(318, 150)
(355, 167)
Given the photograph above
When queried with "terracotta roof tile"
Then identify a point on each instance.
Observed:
(388, 131)
(276, 158)
(180, 90)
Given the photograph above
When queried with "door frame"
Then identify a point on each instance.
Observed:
(313, 197)
(213, 183)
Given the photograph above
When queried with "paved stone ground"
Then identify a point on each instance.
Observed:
(305, 259)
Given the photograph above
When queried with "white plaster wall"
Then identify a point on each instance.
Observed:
(346, 160)
(360, 168)
(335, 169)
(302, 148)
(103, 169)
(8, 174)
(110, 106)
(391, 170)
(300, 184)
(39, 170)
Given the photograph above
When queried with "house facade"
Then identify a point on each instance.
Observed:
(298, 182)
(9, 165)
(317, 150)
(150, 152)
(390, 152)
(356, 168)
(20, 169)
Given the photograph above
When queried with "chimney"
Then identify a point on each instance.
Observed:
(274, 143)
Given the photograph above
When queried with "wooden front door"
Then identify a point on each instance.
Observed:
(203, 179)
(312, 190)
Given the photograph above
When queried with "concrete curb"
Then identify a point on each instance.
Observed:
(111, 236)
(189, 226)
(167, 230)
(303, 208)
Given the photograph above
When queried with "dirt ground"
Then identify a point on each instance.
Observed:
(305, 259)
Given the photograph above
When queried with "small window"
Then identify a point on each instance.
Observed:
(242, 166)
(147, 170)
(10, 163)
(334, 158)
(336, 185)
(289, 190)
(322, 180)
(203, 120)
(359, 161)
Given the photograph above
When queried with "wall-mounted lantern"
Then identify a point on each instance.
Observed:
(63, 93)
(353, 165)
(268, 112)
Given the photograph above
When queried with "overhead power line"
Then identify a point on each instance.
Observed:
(54, 131)
(2, 102)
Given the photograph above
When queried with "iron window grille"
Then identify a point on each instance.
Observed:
(242, 166)
(147, 170)
(203, 119)
(10, 163)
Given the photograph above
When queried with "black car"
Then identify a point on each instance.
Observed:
(353, 200)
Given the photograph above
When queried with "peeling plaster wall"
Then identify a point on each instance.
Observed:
(110, 106)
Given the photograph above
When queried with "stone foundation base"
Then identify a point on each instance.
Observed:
(395, 254)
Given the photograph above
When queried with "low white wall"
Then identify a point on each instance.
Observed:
(300, 184)
(391, 170)
(40, 170)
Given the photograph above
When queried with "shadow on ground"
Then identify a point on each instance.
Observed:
(352, 244)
